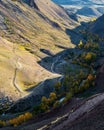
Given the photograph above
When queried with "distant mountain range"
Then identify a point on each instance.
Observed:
(79, 2)
(90, 8)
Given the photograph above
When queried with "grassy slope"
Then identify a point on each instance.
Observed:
(28, 71)
(21, 28)
(55, 13)
(28, 26)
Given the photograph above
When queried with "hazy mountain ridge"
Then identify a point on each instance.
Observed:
(74, 2)
(88, 11)
(90, 8)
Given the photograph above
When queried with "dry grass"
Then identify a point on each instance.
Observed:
(23, 27)
(29, 73)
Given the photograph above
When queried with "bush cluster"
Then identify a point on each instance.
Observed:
(17, 120)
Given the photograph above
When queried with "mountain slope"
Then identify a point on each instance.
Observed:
(98, 26)
(55, 13)
(24, 23)
(88, 11)
(24, 31)
(89, 115)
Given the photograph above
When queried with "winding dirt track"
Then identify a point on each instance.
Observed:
(18, 65)
(54, 73)
(53, 67)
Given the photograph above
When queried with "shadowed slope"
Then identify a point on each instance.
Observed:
(98, 26)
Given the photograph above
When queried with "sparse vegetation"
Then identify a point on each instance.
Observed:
(80, 45)
(17, 120)
(48, 103)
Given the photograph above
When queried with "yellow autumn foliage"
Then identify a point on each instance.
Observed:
(20, 119)
(17, 120)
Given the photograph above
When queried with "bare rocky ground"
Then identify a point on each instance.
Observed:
(70, 121)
